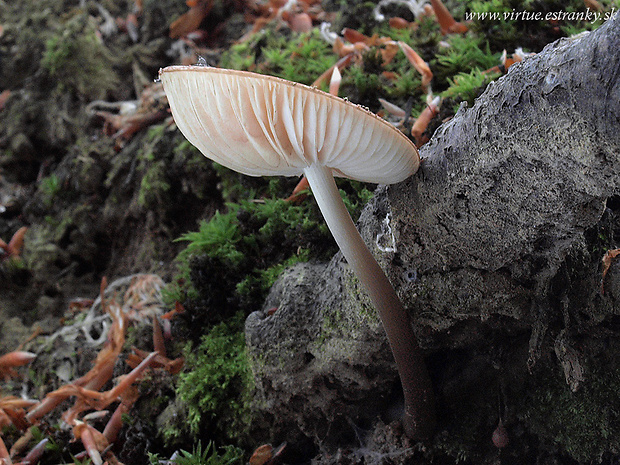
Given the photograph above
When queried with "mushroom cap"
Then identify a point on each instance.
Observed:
(266, 126)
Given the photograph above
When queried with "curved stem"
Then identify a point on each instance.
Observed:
(419, 419)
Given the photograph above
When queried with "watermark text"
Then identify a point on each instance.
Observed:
(514, 15)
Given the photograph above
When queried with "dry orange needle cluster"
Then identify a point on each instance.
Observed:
(86, 389)
(298, 15)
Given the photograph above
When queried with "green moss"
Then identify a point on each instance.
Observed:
(304, 57)
(78, 61)
(49, 187)
(356, 14)
(499, 23)
(153, 185)
(42, 249)
(468, 86)
(244, 249)
(217, 381)
(235, 256)
(367, 86)
(355, 195)
(154, 165)
(262, 280)
(463, 54)
(300, 57)
(217, 238)
(584, 424)
(240, 56)
(209, 456)
(501, 33)
(13, 270)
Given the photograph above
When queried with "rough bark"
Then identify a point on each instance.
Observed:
(495, 247)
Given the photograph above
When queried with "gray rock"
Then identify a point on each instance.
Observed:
(501, 233)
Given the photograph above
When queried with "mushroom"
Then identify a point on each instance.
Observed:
(264, 126)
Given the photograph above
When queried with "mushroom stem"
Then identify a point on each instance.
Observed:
(419, 417)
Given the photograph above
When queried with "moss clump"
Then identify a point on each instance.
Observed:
(233, 259)
(230, 263)
(217, 382)
(49, 187)
(462, 55)
(153, 185)
(161, 173)
(78, 60)
(300, 57)
(467, 86)
(230, 455)
(585, 424)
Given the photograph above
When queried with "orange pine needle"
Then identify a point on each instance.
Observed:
(5, 420)
(92, 440)
(177, 310)
(102, 287)
(171, 366)
(4, 95)
(340, 48)
(607, 259)
(262, 455)
(20, 445)
(297, 195)
(342, 63)
(388, 52)
(354, 36)
(12, 402)
(17, 241)
(114, 425)
(299, 22)
(97, 376)
(334, 83)
(12, 360)
(421, 123)
(446, 22)
(392, 109)
(398, 23)
(191, 20)
(158, 338)
(593, 5)
(111, 395)
(418, 63)
(36, 452)
(15, 245)
(16, 359)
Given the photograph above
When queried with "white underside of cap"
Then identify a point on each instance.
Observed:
(265, 126)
